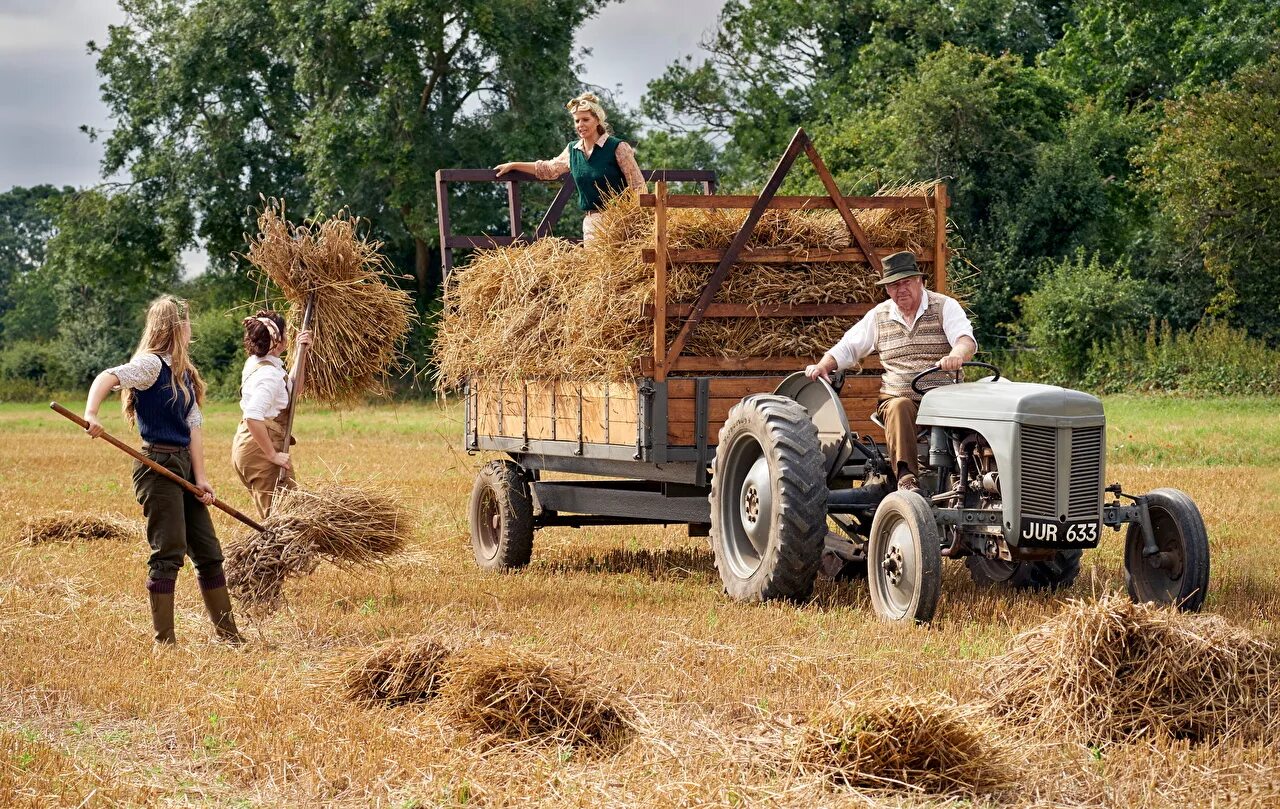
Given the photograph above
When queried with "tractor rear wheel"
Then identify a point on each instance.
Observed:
(768, 500)
(904, 559)
(1046, 574)
(1179, 573)
(501, 516)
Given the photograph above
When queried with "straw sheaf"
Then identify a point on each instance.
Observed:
(554, 310)
(1111, 670)
(360, 322)
(346, 526)
(512, 695)
(400, 671)
(901, 742)
(69, 526)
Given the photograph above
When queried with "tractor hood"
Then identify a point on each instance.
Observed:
(1002, 400)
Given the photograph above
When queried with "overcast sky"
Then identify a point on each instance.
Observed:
(48, 86)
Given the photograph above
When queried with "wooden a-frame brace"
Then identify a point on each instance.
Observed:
(799, 142)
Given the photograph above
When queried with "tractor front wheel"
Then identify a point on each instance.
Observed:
(1178, 573)
(501, 516)
(768, 500)
(1046, 574)
(904, 559)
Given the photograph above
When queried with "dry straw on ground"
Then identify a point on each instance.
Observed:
(1111, 670)
(347, 526)
(901, 742)
(70, 526)
(360, 321)
(555, 310)
(512, 695)
(400, 671)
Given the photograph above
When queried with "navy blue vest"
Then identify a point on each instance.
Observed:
(161, 420)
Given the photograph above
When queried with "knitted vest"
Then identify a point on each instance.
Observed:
(598, 176)
(161, 420)
(906, 352)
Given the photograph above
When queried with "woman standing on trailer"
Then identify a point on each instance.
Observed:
(258, 452)
(161, 392)
(601, 165)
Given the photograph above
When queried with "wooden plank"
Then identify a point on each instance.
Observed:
(682, 434)
(552, 216)
(833, 190)
(660, 285)
(735, 247)
(484, 242)
(790, 203)
(770, 309)
(513, 207)
(738, 386)
(442, 209)
(749, 364)
(940, 203)
(775, 255)
(681, 410)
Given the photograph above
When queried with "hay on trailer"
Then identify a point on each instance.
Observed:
(397, 672)
(513, 695)
(361, 321)
(70, 526)
(900, 742)
(1111, 670)
(558, 311)
(346, 526)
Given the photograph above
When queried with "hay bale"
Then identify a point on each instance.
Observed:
(1111, 670)
(514, 695)
(70, 526)
(400, 671)
(901, 742)
(554, 310)
(361, 321)
(346, 526)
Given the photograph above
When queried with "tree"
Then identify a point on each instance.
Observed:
(345, 103)
(26, 224)
(1214, 174)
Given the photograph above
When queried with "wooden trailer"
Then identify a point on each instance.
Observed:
(648, 444)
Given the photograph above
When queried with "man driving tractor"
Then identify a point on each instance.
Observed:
(915, 329)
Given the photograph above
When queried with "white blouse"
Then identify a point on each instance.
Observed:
(264, 388)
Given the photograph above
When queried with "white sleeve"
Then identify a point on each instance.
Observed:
(138, 373)
(259, 395)
(194, 417)
(955, 322)
(856, 343)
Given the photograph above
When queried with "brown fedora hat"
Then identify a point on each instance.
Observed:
(897, 266)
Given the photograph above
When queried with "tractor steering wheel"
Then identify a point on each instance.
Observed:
(934, 369)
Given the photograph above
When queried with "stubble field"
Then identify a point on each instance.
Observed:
(91, 714)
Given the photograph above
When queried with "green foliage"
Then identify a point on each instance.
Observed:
(1212, 358)
(1214, 173)
(217, 350)
(1080, 302)
(26, 224)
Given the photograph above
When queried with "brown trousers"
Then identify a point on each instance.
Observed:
(256, 470)
(899, 416)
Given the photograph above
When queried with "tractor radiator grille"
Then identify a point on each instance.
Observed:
(1086, 473)
(1039, 472)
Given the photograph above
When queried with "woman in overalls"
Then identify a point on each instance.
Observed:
(161, 391)
(601, 165)
(258, 452)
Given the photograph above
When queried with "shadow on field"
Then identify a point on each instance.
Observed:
(666, 563)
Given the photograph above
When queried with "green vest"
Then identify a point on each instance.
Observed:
(598, 176)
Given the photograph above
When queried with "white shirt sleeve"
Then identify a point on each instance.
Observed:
(955, 323)
(138, 373)
(262, 392)
(194, 417)
(857, 342)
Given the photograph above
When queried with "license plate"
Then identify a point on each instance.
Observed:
(1052, 534)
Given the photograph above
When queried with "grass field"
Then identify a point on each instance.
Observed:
(91, 714)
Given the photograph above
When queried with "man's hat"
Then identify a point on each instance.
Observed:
(898, 266)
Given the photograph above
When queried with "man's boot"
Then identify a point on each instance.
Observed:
(160, 594)
(218, 603)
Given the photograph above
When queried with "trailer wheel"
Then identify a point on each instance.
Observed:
(1179, 573)
(768, 500)
(501, 516)
(1046, 574)
(904, 559)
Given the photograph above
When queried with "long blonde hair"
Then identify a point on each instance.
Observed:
(163, 335)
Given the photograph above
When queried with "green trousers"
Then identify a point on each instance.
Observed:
(178, 524)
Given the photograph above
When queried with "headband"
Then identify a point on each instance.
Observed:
(271, 327)
(580, 103)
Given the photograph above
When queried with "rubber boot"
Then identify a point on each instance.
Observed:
(218, 603)
(160, 594)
